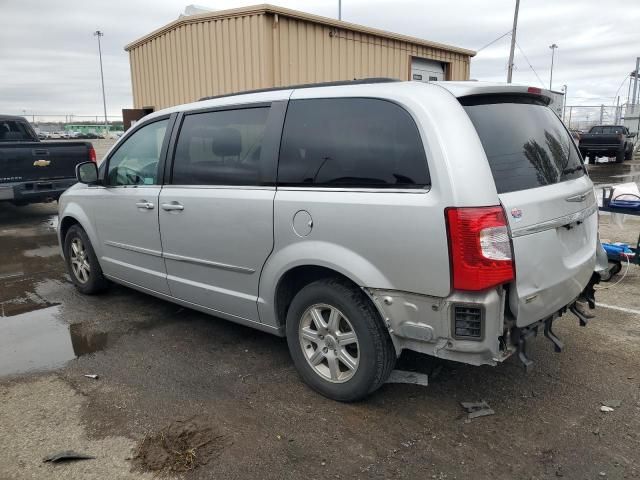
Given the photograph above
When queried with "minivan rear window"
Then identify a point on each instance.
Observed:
(525, 142)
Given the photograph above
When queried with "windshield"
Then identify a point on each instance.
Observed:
(525, 142)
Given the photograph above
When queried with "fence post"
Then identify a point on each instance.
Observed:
(601, 113)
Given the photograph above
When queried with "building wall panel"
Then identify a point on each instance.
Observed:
(215, 56)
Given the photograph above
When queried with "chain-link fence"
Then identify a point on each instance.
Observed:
(583, 117)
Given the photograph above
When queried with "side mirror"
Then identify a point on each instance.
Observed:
(87, 172)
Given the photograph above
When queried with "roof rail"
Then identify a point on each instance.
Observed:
(360, 81)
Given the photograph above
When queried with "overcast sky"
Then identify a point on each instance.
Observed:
(49, 62)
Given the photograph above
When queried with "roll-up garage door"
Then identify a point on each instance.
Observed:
(423, 70)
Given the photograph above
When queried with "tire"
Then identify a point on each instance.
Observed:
(620, 154)
(82, 263)
(372, 355)
(614, 268)
(629, 154)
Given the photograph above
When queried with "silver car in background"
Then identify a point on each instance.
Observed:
(359, 220)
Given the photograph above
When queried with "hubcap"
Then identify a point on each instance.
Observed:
(329, 343)
(80, 260)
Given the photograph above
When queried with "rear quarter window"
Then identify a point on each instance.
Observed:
(351, 142)
(525, 142)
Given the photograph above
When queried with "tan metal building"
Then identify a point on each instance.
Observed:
(266, 46)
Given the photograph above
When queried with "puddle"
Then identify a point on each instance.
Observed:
(38, 340)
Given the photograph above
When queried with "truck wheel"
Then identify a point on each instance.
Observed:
(629, 154)
(337, 340)
(620, 154)
(82, 262)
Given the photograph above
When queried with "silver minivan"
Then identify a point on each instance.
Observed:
(357, 219)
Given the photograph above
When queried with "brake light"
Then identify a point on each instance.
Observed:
(479, 248)
(535, 90)
(92, 155)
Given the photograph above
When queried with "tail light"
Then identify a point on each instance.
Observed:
(479, 247)
(92, 155)
(619, 136)
(534, 90)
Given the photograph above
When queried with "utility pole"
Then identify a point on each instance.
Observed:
(553, 51)
(513, 42)
(339, 9)
(99, 34)
(635, 83)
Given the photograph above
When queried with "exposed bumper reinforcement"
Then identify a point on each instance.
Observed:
(520, 336)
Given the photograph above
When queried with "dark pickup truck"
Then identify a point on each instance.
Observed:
(607, 141)
(32, 171)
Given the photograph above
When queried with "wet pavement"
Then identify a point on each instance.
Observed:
(159, 363)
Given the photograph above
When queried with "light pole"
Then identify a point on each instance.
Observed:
(339, 9)
(513, 42)
(553, 52)
(99, 34)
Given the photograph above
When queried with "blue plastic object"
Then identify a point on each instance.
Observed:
(627, 204)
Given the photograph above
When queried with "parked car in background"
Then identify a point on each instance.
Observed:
(455, 219)
(607, 141)
(35, 171)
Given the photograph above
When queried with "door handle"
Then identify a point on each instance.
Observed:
(169, 207)
(144, 204)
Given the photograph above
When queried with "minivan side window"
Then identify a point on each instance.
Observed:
(351, 142)
(222, 148)
(136, 160)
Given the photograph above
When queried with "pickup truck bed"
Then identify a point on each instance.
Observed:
(34, 171)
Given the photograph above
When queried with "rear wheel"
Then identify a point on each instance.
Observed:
(620, 154)
(337, 340)
(82, 262)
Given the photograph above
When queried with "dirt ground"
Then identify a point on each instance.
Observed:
(178, 389)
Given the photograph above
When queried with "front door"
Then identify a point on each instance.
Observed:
(126, 210)
(216, 215)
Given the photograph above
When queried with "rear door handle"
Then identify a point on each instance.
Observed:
(169, 207)
(144, 204)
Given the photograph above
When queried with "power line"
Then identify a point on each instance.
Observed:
(493, 41)
(530, 66)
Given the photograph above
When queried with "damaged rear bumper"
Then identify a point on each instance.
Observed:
(519, 337)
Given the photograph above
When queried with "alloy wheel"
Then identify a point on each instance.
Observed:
(329, 343)
(80, 260)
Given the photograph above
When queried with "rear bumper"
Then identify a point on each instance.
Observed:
(35, 191)
(427, 324)
(602, 148)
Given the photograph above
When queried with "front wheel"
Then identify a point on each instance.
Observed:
(337, 340)
(82, 262)
(629, 154)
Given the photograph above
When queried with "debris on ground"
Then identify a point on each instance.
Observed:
(402, 376)
(612, 403)
(66, 455)
(180, 447)
(477, 409)
(95, 377)
(604, 408)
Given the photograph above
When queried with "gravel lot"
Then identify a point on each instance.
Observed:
(171, 374)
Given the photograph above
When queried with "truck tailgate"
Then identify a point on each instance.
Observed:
(33, 161)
